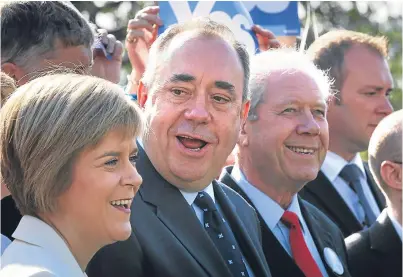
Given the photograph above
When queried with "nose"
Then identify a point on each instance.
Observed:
(198, 111)
(308, 125)
(131, 177)
(384, 107)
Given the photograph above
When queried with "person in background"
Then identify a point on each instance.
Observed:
(37, 36)
(377, 251)
(280, 148)
(68, 152)
(51, 35)
(185, 223)
(344, 189)
(142, 31)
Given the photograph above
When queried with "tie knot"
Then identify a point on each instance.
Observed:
(290, 218)
(204, 202)
(350, 173)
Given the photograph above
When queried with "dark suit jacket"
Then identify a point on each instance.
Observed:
(321, 193)
(10, 216)
(376, 251)
(324, 232)
(168, 239)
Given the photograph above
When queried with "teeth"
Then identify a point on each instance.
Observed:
(194, 149)
(302, 150)
(120, 202)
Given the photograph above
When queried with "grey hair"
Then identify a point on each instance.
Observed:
(203, 27)
(31, 30)
(284, 60)
(47, 123)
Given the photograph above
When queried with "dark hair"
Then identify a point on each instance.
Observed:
(31, 29)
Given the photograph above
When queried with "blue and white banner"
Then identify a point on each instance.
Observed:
(280, 17)
(231, 13)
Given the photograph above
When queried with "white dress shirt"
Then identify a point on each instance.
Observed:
(272, 212)
(396, 224)
(190, 198)
(5, 241)
(332, 167)
(38, 251)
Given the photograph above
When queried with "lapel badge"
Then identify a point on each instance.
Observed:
(333, 261)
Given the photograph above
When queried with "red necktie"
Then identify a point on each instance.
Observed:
(300, 251)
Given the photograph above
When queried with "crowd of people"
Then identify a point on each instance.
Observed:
(224, 164)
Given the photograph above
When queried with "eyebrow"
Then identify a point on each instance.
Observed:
(176, 78)
(376, 88)
(225, 85)
(135, 151)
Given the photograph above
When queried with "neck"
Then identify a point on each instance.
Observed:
(276, 189)
(341, 151)
(395, 209)
(78, 242)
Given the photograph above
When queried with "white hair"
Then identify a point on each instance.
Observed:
(286, 61)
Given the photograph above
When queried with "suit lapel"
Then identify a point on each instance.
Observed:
(376, 192)
(280, 263)
(240, 231)
(320, 236)
(334, 204)
(176, 214)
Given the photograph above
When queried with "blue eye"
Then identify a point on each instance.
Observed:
(320, 112)
(111, 162)
(133, 159)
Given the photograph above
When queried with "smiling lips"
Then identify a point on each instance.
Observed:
(192, 143)
(302, 150)
(122, 203)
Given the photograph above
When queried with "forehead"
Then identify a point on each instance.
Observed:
(366, 66)
(285, 87)
(204, 58)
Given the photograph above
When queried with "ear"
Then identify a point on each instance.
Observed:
(142, 94)
(15, 72)
(243, 138)
(391, 174)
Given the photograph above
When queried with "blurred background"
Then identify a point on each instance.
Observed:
(375, 18)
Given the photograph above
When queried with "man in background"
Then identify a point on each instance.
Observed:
(344, 189)
(377, 251)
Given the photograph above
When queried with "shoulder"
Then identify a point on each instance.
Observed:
(234, 197)
(358, 243)
(319, 215)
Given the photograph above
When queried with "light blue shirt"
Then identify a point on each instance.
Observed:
(332, 167)
(5, 241)
(272, 212)
(190, 198)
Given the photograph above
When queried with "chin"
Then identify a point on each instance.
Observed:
(121, 232)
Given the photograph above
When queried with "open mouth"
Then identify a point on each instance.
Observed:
(302, 150)
(122, 203)
(193, 144)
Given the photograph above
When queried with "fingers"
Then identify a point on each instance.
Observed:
(263, 32)
(149, 10)
(145, 19)
(134, 35)
(139, 24)
(110, 46)
(118, 51)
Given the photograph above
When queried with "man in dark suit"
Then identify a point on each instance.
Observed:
(185, 223)
(377, 251)
(281, 147)
(344, 189)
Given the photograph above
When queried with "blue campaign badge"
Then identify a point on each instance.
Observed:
(230, 13)
(280, 17)
(100, 47)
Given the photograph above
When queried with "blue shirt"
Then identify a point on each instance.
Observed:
(272, 212)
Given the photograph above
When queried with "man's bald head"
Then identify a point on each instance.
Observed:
(386, 145)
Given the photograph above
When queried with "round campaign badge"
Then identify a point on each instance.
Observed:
(333, 261)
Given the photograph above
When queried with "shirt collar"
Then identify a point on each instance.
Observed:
(269, 209)
(333, 164)
(37, 232)
(191, 196)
